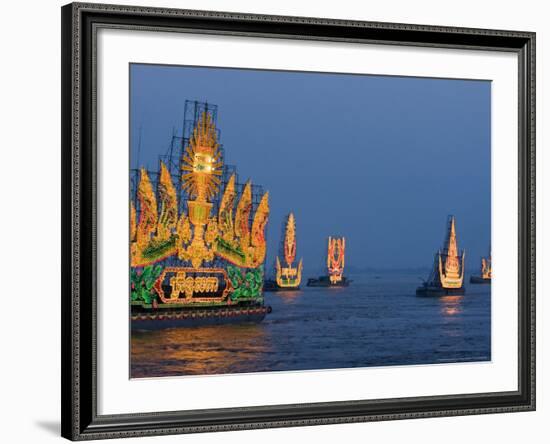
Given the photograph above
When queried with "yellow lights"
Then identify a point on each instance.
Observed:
(225, 213)
(451, 262)
(486, 268)
(289, 244)
(451, 272)
(289, 276)
(242, 216)
(201, 163)
(256, 251)
(189, 285)
(197, 236)
(133, 228)
(236, 242)
(336, 259)
(148, 205)
(168, 217)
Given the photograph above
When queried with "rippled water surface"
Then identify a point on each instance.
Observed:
(376, 321)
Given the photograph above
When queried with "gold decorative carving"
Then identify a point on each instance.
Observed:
(289, 276)
(451, 272)
(336, 258)
(187, 282)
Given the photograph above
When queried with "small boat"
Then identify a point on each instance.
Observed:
(324, 281)
(288, 277)
(447, 275)
(486, 272)
(335, 266)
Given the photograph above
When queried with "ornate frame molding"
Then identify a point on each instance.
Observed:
(80, 22)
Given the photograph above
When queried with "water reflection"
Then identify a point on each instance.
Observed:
(451, 305)
(371, 323)
(197, 351)
(289, 296)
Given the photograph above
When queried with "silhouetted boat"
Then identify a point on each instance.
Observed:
(447, 275)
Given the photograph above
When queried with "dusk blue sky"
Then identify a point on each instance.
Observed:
(380, 160)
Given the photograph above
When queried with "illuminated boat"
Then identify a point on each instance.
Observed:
(335, 266)
(485, 274)
(447, 275)
(195, 257)
(288, 277)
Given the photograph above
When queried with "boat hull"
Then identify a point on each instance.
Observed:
(479, 280)
(439, 291)
(270, 285)
(325, 282)
(283, 289)
(158, 320)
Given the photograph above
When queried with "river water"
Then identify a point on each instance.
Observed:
(377, 321)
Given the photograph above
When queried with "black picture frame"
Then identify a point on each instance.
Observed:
(79, 172)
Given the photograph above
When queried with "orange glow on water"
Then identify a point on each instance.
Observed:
(215, 349)
(451, 305)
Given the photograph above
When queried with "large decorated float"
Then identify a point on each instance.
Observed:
(197, 252)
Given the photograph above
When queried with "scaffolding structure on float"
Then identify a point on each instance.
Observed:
(173, 157)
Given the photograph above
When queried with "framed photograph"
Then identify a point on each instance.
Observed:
(281, 221)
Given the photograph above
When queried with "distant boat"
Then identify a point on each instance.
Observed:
(486, 272)
(447, 275)
(289, 277)
(324, 281)
(335, 266)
